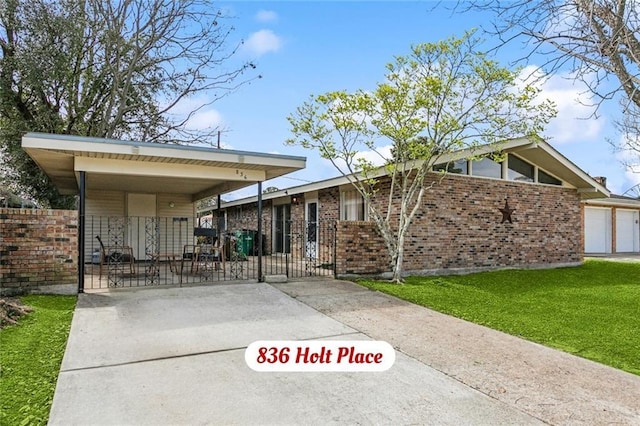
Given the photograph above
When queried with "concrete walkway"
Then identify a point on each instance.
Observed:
(176, 356)
(547, 384)
(615, 257)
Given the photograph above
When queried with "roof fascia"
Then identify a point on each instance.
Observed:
(574, 169)
(75, 144)
(614, 202)
(512, 145)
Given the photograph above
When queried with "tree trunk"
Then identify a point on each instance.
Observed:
(399, 258)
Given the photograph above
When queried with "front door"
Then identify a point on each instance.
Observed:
(311, 234)
(282, 228)
(140, 207)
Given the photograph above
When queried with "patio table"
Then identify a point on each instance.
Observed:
(171, 258)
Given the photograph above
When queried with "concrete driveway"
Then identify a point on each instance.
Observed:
(176, 356)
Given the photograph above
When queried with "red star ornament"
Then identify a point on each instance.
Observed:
(506, 212)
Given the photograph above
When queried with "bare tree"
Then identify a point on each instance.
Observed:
(594, 39)
(110, 69)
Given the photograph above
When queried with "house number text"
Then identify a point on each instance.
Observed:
(334, 355)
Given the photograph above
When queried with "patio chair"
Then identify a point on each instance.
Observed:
(203, 253)
(116, 254)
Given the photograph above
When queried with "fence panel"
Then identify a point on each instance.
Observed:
(155, 251)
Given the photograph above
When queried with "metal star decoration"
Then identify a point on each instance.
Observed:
(506, 212)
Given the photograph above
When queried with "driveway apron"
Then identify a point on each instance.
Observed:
(176, 356)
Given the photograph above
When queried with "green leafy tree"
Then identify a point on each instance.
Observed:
(440, 98)
(108, 69)
(270, 189)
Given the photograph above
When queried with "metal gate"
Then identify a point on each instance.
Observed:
(152, 251)
(308, 248)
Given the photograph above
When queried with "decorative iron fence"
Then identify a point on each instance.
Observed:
(154, 251)
(300, 248)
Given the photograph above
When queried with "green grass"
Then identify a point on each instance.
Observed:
(30, 357)
(592, 311)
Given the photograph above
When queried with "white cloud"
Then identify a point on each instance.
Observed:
(205, 119)
(633, 175)
(376, 158)
(266, 16)
(631, 161)
(575, 121)
(261, 42)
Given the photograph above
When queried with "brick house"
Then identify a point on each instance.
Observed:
(460, 229)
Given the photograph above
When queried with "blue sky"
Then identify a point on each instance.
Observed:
(304, 48)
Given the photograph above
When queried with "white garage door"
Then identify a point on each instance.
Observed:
(597, 230)
(627, 231)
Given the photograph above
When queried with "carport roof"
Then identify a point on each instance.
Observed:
(132, 166)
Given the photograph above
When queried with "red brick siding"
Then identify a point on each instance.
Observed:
(459, 229)
(614, 230)
(329, 203)
(360, 249)
(246, 217)
(37, 248)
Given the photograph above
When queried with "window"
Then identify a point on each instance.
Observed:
(512, 168)
(519, 170)
(487, 168)
(351, 205)
(544, 177)
(457, 167)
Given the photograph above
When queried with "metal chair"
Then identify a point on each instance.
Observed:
(115, 255)
(203, 252)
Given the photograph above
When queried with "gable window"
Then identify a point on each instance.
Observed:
(544, 177)
(351, 205)
(459, 167)
(519, 170)
(487, 168)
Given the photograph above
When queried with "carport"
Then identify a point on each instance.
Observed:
(84, 166)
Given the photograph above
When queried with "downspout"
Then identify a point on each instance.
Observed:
(81, 231)
(260, 232)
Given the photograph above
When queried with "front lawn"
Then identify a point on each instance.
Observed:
(592, 311)
(30, 357)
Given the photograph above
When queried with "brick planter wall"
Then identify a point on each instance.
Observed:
(360, 249)
(38, 251)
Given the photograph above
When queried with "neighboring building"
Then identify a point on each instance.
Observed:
(460, 228)
(612, 225)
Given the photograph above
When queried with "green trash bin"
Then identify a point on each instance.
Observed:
(245, 242)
